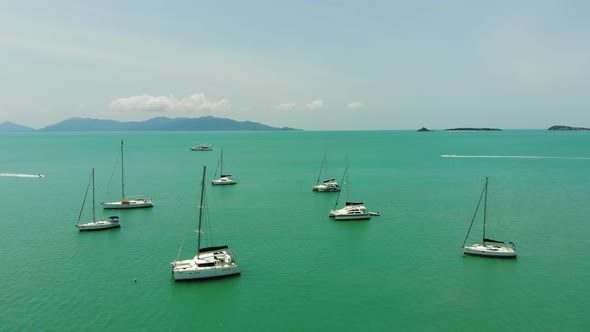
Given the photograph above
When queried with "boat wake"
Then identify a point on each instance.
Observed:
(513, 157)
(23, 175)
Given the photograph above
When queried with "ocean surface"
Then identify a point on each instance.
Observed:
(301, 271)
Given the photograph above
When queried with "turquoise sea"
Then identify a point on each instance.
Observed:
(301, 271)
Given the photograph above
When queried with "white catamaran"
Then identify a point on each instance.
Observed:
(210, 262)
(95, 225)
(487, 247)
(327, 185)
(351, 210)
(127, 202)
(224, 179)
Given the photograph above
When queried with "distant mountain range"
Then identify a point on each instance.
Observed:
(9, 127)
(207, 123)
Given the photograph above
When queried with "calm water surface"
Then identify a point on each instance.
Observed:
(301, 270)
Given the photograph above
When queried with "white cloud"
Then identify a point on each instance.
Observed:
(193, 103)
(316, 104)
(355, 104)
(285, 106)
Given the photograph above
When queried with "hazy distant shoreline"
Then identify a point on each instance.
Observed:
(206, 123)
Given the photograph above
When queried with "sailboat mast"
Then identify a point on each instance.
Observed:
(201, 210)
(122, 174)
(322, 168)
(221, 164)
(483, 191)
(93, 201)
(86, 196)
(485, 210)
(346, 183)
(343, 181)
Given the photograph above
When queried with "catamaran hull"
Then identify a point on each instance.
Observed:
(490, 251)
(205, 272)
(352, 217)
(132, 204)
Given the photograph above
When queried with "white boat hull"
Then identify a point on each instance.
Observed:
(97, 225)
(204, 266)
(129, 204)
(479, 249)
(349, 212)
(326, 189)
(352, 217)
(223, 181)
(205, 272)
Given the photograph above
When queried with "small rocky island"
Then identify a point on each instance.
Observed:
(424, 129)
(556, 127)
(473, 129)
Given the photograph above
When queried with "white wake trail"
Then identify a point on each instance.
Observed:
(514, 157)
(23, 175)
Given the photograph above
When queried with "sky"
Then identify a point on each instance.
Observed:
(312, 65)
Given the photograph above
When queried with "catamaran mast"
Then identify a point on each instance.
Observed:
(322, 168)
(201, 210)
(122, 174)
(344, 184)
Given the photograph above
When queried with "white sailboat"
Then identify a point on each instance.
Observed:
(487, 247)
(210, 262)
(223, 179)
(127, 202)
(327, 185)
(202, 147)
(94, 225)
(351, 210)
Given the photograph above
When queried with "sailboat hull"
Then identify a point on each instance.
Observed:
(129, 204)
(326, 189)
(98, 225)
(479, 249)
(206, 273)
(223, 181)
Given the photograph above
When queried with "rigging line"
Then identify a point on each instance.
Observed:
(343, 184)
(322, 168)
(113, 173)
(84, 202)
(474, 215)
(218, 164)
(209, 232)
(195, 206)
(186, 230)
